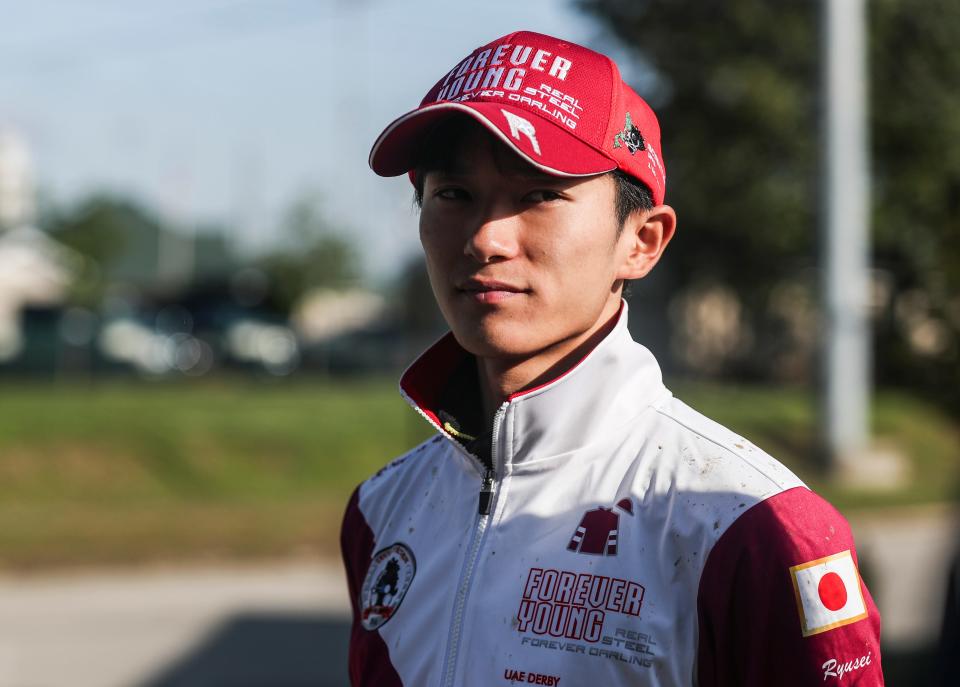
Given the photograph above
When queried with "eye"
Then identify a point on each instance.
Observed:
(451, 193)
(543, 195)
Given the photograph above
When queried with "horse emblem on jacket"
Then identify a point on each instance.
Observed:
(388, 578)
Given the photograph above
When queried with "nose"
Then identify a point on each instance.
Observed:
(495, 238)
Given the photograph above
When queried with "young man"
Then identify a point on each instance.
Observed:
(572, 523)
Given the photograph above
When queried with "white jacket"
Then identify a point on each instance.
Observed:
(629, 540)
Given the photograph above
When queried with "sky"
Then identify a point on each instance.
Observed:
(214, 111)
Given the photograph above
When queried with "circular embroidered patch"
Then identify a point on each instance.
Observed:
(388, 578)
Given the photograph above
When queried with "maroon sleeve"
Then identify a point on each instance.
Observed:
(369, 659)
(781, 601)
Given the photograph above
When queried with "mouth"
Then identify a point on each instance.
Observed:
(489, 291)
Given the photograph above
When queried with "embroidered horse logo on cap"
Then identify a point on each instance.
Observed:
(630, 137)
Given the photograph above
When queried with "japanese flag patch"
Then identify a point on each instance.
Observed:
(828, 593)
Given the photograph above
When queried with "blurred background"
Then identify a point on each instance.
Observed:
(206, 299)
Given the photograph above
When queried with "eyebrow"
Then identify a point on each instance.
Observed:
(509, 162)
(533, 174)
(456, 168)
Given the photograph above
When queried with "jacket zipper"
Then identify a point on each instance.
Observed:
(487, 492)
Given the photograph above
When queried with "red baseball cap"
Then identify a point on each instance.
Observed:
(562, 107)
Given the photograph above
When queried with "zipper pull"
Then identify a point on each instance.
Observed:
(486, 491)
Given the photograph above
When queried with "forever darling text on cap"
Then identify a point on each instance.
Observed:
(561, 106)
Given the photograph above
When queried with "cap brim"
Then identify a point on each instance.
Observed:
(395, 151)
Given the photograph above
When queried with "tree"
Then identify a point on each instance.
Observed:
(415, 305)
(736, 86)
(312, 254)
(916, 140)
(117, 236)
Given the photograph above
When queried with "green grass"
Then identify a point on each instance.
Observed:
(130, 472)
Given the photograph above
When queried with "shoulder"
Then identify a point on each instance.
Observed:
(377, 493)
(721, 456)
(792, 527)
(707, 472)
(781, 600)
(761, 504)
(395, 487)
(404, 467)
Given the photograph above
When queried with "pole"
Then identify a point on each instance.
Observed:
(847, 359)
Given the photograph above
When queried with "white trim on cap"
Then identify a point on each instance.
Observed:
(482, 119)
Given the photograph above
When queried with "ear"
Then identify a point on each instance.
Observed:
(645, 235)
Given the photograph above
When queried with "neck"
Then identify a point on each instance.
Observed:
(500, 378)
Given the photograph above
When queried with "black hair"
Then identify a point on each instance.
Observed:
(632, 195)
(440, 150)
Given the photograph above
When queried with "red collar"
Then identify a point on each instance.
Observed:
(424, 382)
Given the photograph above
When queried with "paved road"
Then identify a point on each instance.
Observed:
(905, 555)
(174, 626)
(284, 625)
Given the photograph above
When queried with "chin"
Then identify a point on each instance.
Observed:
(487, 340)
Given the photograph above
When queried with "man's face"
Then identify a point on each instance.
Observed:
(519, 261)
